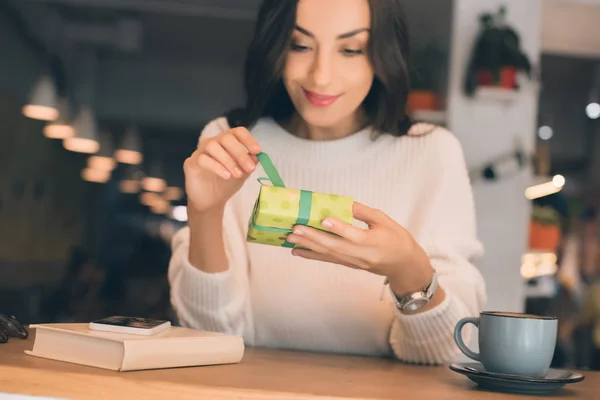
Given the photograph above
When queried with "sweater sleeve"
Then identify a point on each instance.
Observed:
(212, 301)
(447, 233)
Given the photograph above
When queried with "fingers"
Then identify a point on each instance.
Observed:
(221, 156)
(301, 240)
(246, 139)
(344, 230)
(235, 150)
(324, 243)
(208, 163)
(369, 215)
(198, 162)
(238, 153)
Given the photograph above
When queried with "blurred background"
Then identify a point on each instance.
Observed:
(101, 101)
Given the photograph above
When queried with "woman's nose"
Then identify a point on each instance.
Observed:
(322, 70)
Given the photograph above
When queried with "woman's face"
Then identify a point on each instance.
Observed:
(327, 72)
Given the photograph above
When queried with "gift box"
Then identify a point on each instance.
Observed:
(278, 209)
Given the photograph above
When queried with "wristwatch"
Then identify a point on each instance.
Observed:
(417, 300)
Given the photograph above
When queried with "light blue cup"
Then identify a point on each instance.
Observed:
(512, 343)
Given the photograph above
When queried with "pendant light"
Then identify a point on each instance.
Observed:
(130, 150)
(61, 128)
(150, 199)
(95, 175)
(162, 207)
(173, 193)
(592, 110)
(85, 139)
(42, 104)
(132, 180)
(154, 180)
(103, 160)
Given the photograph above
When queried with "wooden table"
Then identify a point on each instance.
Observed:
(262, 374)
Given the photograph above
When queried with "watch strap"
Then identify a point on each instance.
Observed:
(427, 293)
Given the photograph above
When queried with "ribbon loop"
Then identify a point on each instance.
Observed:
(270, 169)
(261, 180)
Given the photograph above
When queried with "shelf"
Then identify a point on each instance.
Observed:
(437, 117)
(496, 94)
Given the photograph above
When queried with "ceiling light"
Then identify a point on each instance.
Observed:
(104, 158)
(179, 213)
(85, 139)
(545, 189)
(42, 103)
(61, 128)
(130, 150)
(154, 180)
(545, 132)
(150, 199)
(558, 181)
(593, 110)
(173, 193)
(132, 180)
(95, 175)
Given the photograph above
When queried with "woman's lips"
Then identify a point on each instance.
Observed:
(320, 100)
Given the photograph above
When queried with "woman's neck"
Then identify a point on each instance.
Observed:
(300, 128)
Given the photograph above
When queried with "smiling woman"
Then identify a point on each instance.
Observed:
(326, 84)
(337, 56)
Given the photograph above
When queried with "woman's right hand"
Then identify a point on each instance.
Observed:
(218, 168)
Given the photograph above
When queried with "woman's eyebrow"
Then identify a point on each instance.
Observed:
(342, 36)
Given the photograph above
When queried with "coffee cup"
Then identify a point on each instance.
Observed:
(511, 343)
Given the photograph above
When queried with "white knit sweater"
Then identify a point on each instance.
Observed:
(273, 299)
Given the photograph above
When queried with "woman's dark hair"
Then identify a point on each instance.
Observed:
(388, 51)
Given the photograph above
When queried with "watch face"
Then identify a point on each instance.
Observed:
(416, 304)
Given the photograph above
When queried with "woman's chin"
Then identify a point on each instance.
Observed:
(321, 118)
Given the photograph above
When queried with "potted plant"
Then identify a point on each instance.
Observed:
(497, 56)
(426, 69)
(544, 229)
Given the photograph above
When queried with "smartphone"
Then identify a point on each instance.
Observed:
(132, 325)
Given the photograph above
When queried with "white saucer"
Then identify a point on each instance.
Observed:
(553, 380)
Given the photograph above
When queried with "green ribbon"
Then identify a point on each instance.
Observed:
(303, 212)
(305, 207)
(305, 198)
(270, 169)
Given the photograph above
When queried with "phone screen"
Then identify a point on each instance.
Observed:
(133, 322)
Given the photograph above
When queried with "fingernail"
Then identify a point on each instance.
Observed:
(291, 239)
(226, 174)
(298, 231)
(294, 252)
(327, 223)
(237, 172)
(250, 166)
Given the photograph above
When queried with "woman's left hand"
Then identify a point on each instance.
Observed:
(385, 248)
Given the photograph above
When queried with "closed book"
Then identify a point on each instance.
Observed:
(174, 347)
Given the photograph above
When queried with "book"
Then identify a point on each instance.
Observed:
(175, 347)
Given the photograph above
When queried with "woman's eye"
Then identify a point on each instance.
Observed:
(352, 52)
(299, 48)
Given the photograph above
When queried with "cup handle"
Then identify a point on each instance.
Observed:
(459, 340)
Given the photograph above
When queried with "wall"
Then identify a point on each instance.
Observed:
(44, 204)
(571, 27)
(19, 63)
(42, 197)
(488, 129)
(175, 94)
(563, 98)
(429, 23)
